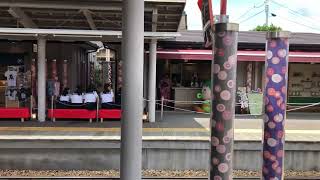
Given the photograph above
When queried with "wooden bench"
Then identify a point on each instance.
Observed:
(72, 114)
(15, 113)
(109, 114)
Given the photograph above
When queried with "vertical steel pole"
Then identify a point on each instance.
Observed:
(224, 69)
(223, 7)
(41, 79)
(275, 96)
(152, 80)
(132, 92)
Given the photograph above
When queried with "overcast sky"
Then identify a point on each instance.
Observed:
(292, 15)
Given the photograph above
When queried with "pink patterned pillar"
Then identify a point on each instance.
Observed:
(65, 74)
(275, 95)
(54, 69)
(249, 77)
(33, 77)
(109, 80)
(92, 73)
(223, 100)
(120, 74)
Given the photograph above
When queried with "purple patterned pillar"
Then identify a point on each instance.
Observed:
(275, 96)
(224, 69)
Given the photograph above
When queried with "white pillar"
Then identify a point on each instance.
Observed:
(152, 80)
(41, 80)
(256, 75)
(132, 89)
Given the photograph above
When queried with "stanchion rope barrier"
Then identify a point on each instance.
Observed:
(200, 102)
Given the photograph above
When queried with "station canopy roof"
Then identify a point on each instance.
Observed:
(83, 20)
(85, 14)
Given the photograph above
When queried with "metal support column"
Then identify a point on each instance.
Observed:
(275, 97)
(41, 79)
(152, 80)
(132, 89)
(224, 69)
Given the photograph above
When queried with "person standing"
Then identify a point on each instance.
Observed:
(165, 88)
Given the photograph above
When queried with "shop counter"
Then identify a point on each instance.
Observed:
(186, 94)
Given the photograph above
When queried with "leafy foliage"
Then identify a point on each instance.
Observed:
(271, 28)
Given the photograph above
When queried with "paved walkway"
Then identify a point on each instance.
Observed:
(175, 125)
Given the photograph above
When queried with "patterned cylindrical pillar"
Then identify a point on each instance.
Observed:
(92, 73)
(54, 69)
(33, 77)
(119, 74)
(224, 69)
(249, 77)
(65, 74)
(109, 78)
(275, 96)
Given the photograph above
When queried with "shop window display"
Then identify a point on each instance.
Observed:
(304, 83)
(15, 86)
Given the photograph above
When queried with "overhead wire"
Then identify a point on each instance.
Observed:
(294, 12)
(290, 11)
(250, 9)
(301, 24)
(252, 16)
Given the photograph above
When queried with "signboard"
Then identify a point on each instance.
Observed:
(255, 103)
(207, 20)
(243, 98)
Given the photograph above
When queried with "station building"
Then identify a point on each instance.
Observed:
(186, 55)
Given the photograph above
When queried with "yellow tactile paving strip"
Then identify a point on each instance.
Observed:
(86, 129)
(240, 134)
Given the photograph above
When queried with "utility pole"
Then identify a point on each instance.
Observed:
(266, 3)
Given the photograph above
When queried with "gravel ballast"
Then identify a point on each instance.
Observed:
(146, 173)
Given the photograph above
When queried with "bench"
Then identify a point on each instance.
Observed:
(109, 114)
(15, 113)
(72, 114)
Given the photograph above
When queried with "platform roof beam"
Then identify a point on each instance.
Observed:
(89, 18)
(65, 5)
(24, 19)
(76, 35)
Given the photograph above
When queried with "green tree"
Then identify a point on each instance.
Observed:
(271, 28)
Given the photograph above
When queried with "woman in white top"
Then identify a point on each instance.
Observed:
(107, 98)
(77, 99)
(90, 98)
(64, 99)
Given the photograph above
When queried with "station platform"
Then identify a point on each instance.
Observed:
(178, 142)
(299, 127)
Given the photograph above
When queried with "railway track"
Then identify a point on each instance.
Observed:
(153, 178)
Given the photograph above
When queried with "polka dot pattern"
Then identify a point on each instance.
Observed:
(222, 75)
(275, 107)
(223, 105)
